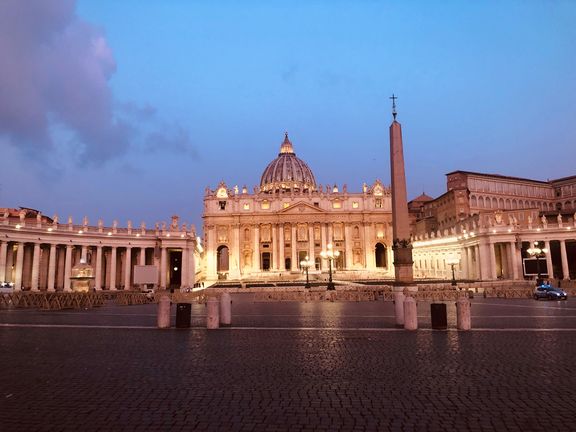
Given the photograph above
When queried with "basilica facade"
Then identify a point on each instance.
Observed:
(289, 218)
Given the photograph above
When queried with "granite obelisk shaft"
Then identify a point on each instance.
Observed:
(402, 246)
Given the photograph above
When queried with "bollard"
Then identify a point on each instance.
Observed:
(212, 313)
(399, 308)
(410, 314)
(225, 310)
(164, 312)
(463, 321)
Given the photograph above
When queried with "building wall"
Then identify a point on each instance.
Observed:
(286, 227)
(505, 217)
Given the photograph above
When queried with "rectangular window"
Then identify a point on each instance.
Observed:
(246, 206)
(355, 204)
(222, 205)
(265, 205)
(378, 203)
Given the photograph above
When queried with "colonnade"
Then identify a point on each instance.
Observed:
(491, 257)
(41, 266)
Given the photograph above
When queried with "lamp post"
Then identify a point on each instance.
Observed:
(452, 261)
(538, 253)
(330, 255)
(305, 264)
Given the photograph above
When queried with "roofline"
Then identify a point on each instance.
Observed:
(501, 176)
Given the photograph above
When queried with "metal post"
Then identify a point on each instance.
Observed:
(330, 283)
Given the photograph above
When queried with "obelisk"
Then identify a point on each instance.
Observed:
(404, 308)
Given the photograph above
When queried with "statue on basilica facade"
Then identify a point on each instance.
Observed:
(530, 221)
(559, 218)
(55, 220)
(85, 221)
(544, 221)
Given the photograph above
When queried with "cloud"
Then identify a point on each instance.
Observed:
(174, 139)
(55, 70)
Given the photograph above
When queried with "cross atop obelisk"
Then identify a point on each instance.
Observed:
(402, 246)
(394, 105)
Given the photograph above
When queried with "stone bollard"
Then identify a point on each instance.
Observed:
(164, 312)
(399, 308)
(212, 313)
(410, 314)
(225, 310)
(463, 321)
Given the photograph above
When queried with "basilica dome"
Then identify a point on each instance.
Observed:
(287, 172)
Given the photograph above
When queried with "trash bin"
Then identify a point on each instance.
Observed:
(439, 318)
(183, 315)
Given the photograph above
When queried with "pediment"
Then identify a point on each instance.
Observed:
(301, 208)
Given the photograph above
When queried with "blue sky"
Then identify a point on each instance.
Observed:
(140, 105)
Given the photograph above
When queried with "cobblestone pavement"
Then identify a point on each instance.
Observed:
(290, 367)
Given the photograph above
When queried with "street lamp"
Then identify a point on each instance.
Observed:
(452, 261)
(305, 264)
(538, 253)
(330, 255)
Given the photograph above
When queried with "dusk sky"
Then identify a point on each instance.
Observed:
(130, 109)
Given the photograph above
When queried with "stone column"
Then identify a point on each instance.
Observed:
(127, 268)
(367, 247)
(163, 256)
(142, 257)
(348, 247)
(517, 272)
(18, 269)
(330, 234)
(492, 255)
(235, 267)
(98, 269)
(84, 255)
(294, 249)
(68, 268)
(191, 265)
(211, 264)
(52, 269)
(3, 250)
(60, 267)
(256, 257)
(274, 248)
(281, 261)
(184, 278)
(27, 267)
(464, 262)
(9, 263)
(564, 258)
(504, 260)
(390, 258)
(549, 260)
(482, 262)
(311, 242)
(35, 267)
(113, 257)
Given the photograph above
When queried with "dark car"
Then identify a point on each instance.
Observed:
(550, 293)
